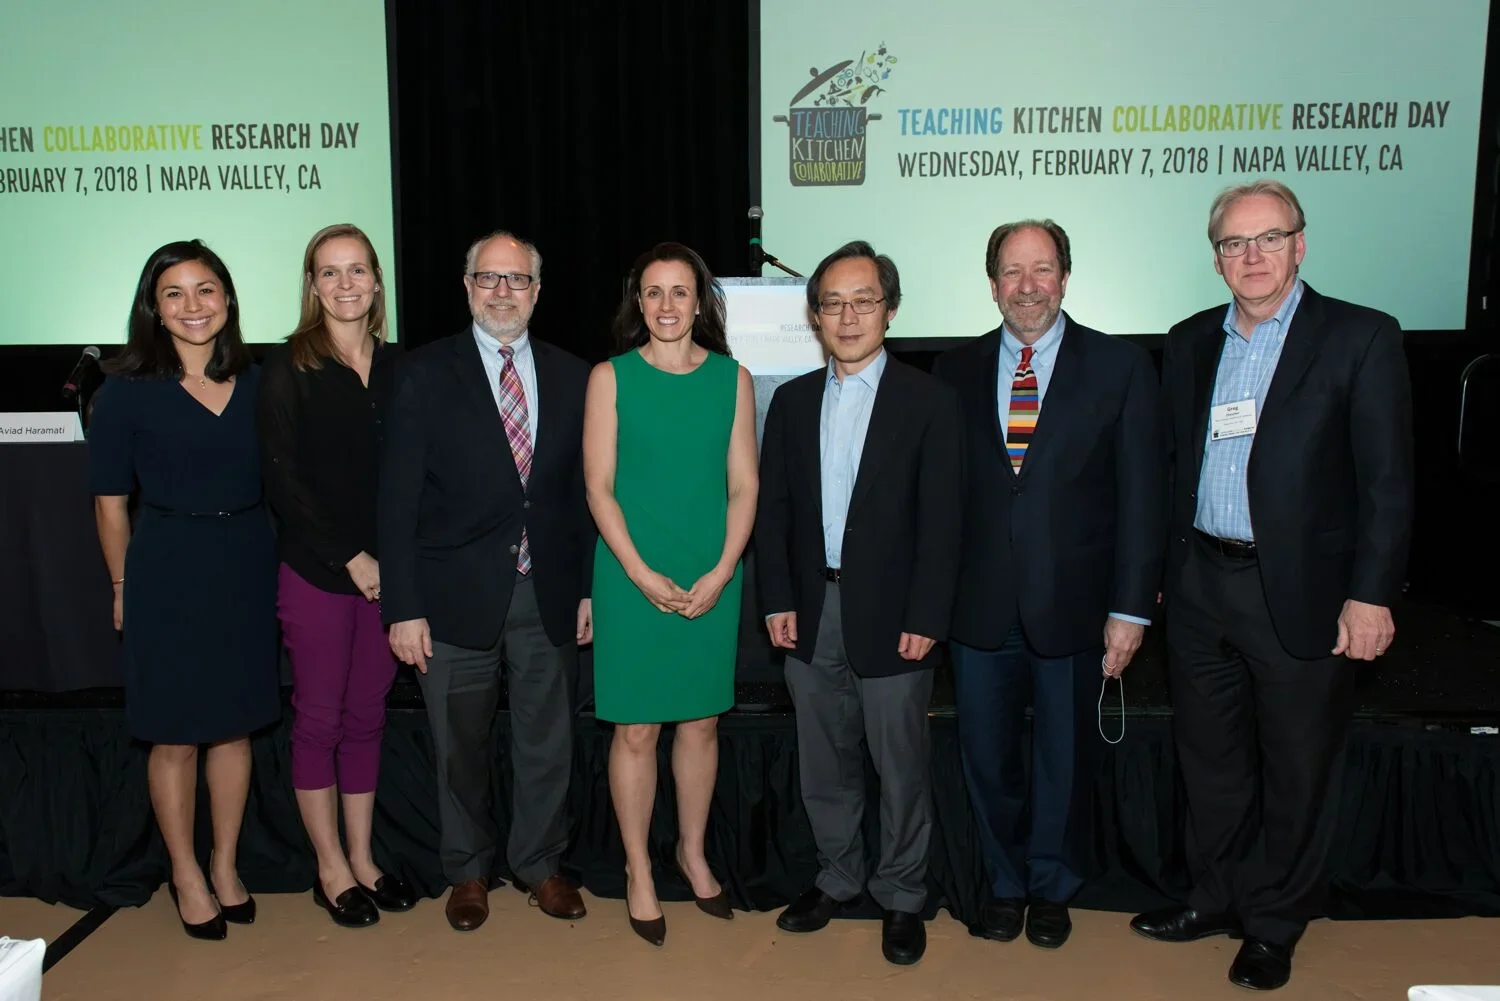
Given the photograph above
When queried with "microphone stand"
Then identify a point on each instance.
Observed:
(759, 258)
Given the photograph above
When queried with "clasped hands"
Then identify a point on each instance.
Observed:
(667, 596)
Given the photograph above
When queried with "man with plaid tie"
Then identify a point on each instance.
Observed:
(1062, 552)
(487, 549)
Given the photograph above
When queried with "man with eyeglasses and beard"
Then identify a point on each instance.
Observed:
(1289, 438)
(857, 538)
(486, 560)
(1061, 567)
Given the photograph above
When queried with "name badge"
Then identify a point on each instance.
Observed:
(1231, 420)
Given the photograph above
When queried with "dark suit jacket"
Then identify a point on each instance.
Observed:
(1330, 473)
(1078, 533)
(901, 537)
(452, 504)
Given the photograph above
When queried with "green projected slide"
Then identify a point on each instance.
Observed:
(124, 126)
(922, 128)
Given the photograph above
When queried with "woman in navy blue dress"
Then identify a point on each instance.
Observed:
(195, 585)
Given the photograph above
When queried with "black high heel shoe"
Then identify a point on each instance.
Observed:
(212, 930)
(236, 914)
(716, 906)
(653, 931)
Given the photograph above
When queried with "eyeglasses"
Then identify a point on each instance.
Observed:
(835, 307)
(489, 279)
(1269, 242)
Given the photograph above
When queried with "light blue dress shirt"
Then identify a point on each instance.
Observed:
(1245, 372)
(1043, 361)
(845, 419)
(494, 364)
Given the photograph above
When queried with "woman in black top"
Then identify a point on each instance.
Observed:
(195, 583)
(320, 410)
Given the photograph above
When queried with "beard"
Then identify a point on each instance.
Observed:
(501, 324)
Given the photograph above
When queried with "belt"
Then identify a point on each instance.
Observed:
(174, 513)
(832, 574)
(1232, 548)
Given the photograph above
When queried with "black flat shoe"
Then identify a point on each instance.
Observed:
(391, 893)
(1261, 966)
(352, 909)
(903, 937)
(212, 930)
(1001, 919)
(809, 912)
(1048, 924)
(1183, 924)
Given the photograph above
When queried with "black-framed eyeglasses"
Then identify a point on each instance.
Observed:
(490, 279)
(835, 307)
(1269, 242)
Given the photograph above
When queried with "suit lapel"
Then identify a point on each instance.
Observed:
(808, 423)
(546, 385)
(1064, 392)
(987, 372)
(1207, 347)
(885, 419)
(471, 373)
(1304, 338)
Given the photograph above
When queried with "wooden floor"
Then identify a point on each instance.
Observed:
(294, 953)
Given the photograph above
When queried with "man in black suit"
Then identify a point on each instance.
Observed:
(487, 553)
(1288, 431)
(1062, 559)
(857, 538)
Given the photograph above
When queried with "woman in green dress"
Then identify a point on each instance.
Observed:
(670, 465)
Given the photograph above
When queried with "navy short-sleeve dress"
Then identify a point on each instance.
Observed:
(200, 573)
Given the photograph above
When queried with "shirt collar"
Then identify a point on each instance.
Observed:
(869, 375)
(1283, 314)
(1043, 346)
(521, 344)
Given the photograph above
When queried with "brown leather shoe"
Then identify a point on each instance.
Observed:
(469, 904)
(559, 898)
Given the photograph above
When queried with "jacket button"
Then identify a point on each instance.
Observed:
(514, 550)
(1015, 491)
(526, 504)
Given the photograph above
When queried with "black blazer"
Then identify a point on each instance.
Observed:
(1078, 533)
(1330, 475)
(902, 534)
(452, 506)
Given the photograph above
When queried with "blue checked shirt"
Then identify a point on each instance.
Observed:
(1245, 372)
(845, 420)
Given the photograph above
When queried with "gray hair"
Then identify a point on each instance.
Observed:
(536, 255)
(1264, 186)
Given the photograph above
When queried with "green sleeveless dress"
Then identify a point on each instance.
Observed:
(671, 481)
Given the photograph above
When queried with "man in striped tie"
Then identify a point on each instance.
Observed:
(487, 550)
(1062, 551)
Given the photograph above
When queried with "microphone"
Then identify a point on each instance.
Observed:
(758, 255)
(89, 357)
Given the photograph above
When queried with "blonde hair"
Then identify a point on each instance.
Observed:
(1264, 186)
(311, 342)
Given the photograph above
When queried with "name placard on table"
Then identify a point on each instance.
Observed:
(63, 426)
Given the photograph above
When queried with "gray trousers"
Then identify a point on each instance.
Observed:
(837, 712)
(462, 689)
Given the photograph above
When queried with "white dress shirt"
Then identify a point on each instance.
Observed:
(525, 361)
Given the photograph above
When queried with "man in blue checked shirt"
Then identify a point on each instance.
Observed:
(1289, 437)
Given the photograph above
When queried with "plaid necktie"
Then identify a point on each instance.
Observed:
(514, 415)
(1025, 404)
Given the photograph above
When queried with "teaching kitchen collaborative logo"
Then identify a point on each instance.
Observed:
(827, 120)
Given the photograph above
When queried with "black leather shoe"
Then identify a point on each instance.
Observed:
(903, 937)
(809, 912)
(1261, 965)
(352, 909)
(1183, 924)
(239, 914)
(391, 893)
(1001, 919)
(212, 930)
(1048, 924)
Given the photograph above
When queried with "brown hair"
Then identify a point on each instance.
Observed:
(1264, 186)
(311, 342)
(1003, 232)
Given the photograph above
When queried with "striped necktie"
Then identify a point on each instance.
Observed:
(513, 415)
(1025, 404)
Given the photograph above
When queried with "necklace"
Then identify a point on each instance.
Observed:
(202, 381)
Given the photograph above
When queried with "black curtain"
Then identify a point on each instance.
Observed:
(1419, 821)
(594, 129)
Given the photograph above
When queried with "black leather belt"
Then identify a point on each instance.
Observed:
(174, 513)
(1232, 548)
(832, 574)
